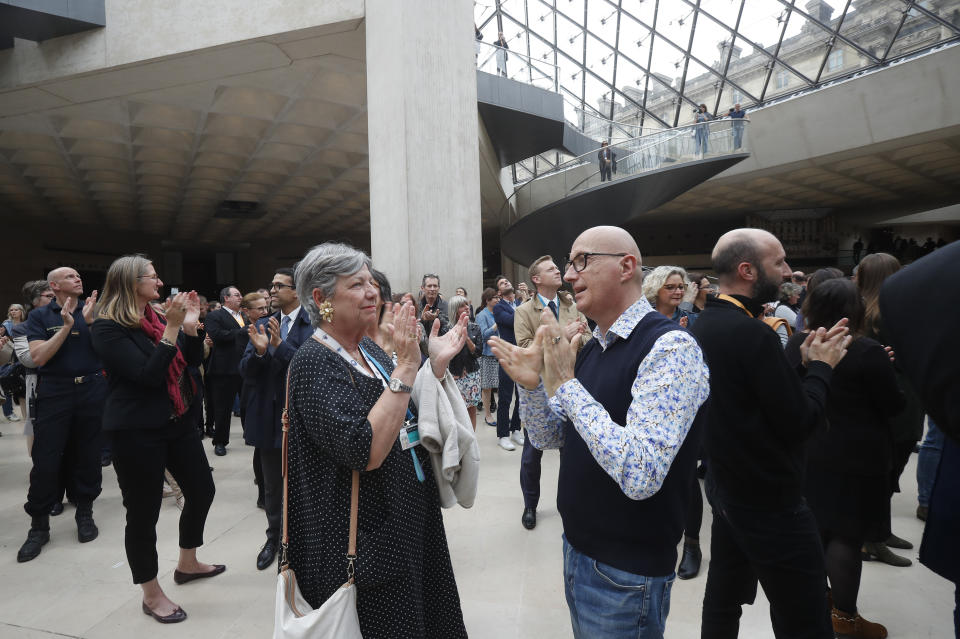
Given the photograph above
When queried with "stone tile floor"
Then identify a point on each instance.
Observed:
(509, 579)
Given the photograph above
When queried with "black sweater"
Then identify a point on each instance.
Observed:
(760, 412)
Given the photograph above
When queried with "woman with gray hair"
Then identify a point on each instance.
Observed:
(351, 409)
(664, 287)
(788, 305)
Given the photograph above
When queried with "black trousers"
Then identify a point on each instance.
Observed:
(140, 457)
(779, 548)
(208, 410)
(272, 484)
(66, 442)
(605, 171)
(225, 388)
(506, 423)
(530, 473)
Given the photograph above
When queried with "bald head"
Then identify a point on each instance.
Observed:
(58, 274)
(738, 246)
(607, 239)
(65, 281)
(750, 262)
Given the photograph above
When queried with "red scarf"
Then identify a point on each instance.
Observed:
(153, 327)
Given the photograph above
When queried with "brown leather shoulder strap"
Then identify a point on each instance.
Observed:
(354, 491)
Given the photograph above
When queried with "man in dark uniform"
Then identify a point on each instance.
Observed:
(69, 407)
(226, 327)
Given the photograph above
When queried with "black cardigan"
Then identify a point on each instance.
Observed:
(137, 374)
(760, 413)
(855, 435)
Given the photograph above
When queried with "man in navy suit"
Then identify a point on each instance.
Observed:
(226, 326)
(273, 341)
(508, 427)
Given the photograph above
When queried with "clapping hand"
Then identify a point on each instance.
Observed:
(559, 352)
(826, 346)
(191, 318)
(523, 365)
(66, 313)
(442, 349)
(273, 327)
(258, 337)
(90, 308)
(405, 337)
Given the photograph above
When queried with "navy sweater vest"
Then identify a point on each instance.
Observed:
(598, 519)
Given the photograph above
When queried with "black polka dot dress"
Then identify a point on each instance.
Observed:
(405, 583)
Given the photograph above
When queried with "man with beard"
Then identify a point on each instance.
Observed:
(759, 416)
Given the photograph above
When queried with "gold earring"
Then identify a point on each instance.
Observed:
(326, 311)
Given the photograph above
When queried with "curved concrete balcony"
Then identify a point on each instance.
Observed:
(545, 215)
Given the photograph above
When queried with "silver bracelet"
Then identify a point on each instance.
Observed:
(164, 340)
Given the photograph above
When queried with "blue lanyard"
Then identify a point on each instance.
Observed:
(413, 453)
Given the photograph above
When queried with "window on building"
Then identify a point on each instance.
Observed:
(835, 60)
(783, 79)
(737, 97)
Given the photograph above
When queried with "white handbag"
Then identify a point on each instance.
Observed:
(337, 617)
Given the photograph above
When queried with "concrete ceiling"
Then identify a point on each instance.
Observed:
(156, 147)
(907, 175)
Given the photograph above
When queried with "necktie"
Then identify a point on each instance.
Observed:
(553, 307)
(284, 327)
(239, 319)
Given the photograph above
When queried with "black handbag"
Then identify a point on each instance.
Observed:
(13, 379)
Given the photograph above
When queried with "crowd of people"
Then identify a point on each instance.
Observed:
(784, 393)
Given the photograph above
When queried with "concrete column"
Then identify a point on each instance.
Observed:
(423, 139)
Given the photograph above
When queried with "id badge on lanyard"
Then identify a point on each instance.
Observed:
(409, 434)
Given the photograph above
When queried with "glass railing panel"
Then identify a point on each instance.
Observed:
(515, 66)
(630, 158)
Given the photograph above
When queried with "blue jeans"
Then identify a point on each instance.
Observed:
(927, 462)
(608, 603)
(8, 407)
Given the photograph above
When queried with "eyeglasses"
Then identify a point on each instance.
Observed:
(149, 277)
(280, 286)
(673, 287)
(580, 261)
(49, 296)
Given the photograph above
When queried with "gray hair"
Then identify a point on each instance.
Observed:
(454, 305)
(321, 267)
(788, 290)
(655, 279)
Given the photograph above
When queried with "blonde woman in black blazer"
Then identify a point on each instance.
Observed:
(151, 416)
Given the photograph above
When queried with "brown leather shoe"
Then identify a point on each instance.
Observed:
(176, 616)
(185, 577)
(847, 626)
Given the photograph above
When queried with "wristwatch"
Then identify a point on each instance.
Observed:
(399, 387)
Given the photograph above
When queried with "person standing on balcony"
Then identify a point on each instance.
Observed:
(703, 130)
(608, 160)
(738, 115)
(502, 48)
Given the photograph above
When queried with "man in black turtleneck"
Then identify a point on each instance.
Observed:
(759, 415)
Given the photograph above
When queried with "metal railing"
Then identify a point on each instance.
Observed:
(643, 154)
(516, 66)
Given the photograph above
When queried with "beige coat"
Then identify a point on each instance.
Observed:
(526, 319)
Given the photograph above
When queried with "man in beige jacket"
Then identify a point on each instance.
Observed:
(547, 279)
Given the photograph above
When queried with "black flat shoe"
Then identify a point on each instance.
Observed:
(176, 616)
(267, 554)
(56, 509)
(219, 450)
(529, 518)
(690, 563)
(186, 577)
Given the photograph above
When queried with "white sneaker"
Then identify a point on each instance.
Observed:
(14, 417)
(506, 444)
(517, 437)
